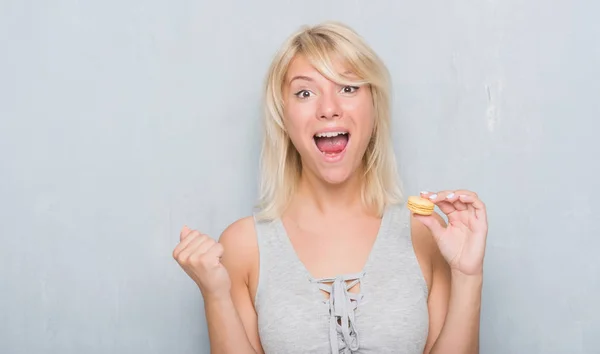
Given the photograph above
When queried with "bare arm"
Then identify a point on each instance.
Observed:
(460, 333)
(225, 328)
(232, 321)
(454, 303)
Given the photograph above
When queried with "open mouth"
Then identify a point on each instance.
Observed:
(331, 143)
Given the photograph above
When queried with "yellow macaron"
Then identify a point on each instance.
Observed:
(420, 205)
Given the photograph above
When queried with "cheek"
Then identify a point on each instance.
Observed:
(297, 125)
(296, 138)
(365, 135)
(363, 115)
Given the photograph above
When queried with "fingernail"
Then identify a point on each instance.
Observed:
(424, 192)
(433, 196)
(450, 195)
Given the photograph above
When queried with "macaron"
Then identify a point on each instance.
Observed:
(420, 205)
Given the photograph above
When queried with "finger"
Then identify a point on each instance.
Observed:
(207, 243)
(441, 200)
(185, 231)
(466, 192)
(184, 246)
(460, 206)
(454, 199)
(194, 247)
(190, 237)
(471, 210)
(470, 196)
(473, 200)
(476, 204)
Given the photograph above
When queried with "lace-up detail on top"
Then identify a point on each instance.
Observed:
(342, 305)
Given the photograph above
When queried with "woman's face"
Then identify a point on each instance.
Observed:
(329, 124)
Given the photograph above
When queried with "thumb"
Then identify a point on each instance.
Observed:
(216, 251)
(431, 223)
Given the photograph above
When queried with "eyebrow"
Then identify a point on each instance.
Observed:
(307, 78)
(301, 77)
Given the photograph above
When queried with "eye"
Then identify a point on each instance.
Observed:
(302, 94)
(349, 89)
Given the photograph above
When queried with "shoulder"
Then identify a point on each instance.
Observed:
(240, 246)
(239, 231)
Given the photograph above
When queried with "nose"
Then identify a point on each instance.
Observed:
(329, 107)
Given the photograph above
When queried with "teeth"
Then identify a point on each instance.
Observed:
(329, 134)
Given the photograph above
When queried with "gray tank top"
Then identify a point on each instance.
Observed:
(389, 315)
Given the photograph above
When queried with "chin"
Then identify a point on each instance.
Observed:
(336, 176)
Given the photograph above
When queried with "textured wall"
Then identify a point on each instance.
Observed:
(121, 121)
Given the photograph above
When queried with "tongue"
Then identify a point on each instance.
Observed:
(332, 145)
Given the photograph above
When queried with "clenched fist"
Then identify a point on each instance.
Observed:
(200, 257)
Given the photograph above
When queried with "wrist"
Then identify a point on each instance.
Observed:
(216, 298)
(462, 280)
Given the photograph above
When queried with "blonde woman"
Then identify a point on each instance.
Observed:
(333, 261)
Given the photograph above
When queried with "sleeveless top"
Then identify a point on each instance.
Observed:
(389, 315)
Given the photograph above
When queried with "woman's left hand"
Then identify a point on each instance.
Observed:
(462, 241)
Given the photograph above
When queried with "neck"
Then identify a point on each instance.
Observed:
(327, 199)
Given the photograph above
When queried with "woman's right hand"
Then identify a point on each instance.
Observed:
(200, 257)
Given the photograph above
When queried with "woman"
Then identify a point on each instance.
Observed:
(333, 261)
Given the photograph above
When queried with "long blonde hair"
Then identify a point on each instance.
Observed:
(280, 164)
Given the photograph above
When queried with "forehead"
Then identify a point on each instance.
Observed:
(301, 66)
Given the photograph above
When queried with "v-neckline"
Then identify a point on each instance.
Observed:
(381, 232)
